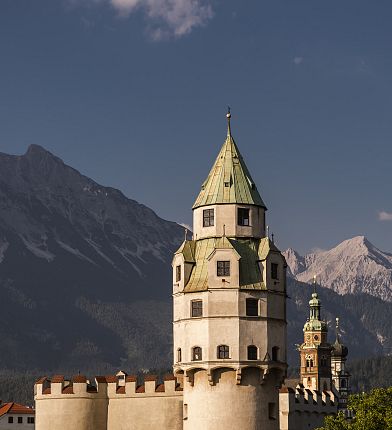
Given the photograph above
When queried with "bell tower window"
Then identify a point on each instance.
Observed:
(208, 217)
(243, 216)
(252, 352)
(223, 268)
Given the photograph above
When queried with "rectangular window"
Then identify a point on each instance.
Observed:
(223, 351)
(223, 268)
(208, 217)
(197, 308)
(272, 411)
(252, 307)
(178, 273)
(179, 355)
(10, 420)
(185, 413)
(20, 420)
(274, 271)
(30, 420)
(243, 216)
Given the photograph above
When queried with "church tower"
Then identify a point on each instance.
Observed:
(315, 352)
(229, 305)
(340, 375)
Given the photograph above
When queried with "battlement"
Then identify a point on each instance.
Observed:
(111, 386)
(299, 406)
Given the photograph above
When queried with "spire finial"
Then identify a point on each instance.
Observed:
(314, 284)
(186, 234)
(337, 328)
(228, 116)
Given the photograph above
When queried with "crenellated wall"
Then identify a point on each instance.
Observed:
(301, 408)
(109, 403)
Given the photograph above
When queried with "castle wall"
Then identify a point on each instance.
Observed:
(226, 404)
(301, 408)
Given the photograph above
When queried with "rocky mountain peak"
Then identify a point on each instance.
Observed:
(354, 265)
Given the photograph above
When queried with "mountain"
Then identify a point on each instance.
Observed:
(85, 278)
(354, 266)
(76, 259)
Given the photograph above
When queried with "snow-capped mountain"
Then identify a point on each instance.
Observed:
(353, 266)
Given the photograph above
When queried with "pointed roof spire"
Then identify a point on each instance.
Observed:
(229, 180)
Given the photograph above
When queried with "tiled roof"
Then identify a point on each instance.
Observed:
(229, 180)
(250, 251)
(15, 408)
(79, 379)
(68, 390)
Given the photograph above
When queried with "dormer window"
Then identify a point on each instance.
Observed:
(208, 217)
(178, 273)
(243, 216)
(223, 268)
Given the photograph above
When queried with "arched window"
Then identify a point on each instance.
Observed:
(223, 351)
(275, 353)
(307, 363)
(311, 363)
(179, 355)
(196, 353)
(252, 352)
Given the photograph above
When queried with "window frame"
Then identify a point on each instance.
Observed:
(179, 355)
(20, 420)
(10, 420)
(197, 350)
(243, 217)
(249, 307)
(251, 349)
(208, 217)
(196, 308)
(223, 268)
(223, 352)
(275, 353)
(275, 271)
(178, 273)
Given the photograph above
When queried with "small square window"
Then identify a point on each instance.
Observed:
(227, 184)
(10, 420)
(20, 420)
(30, 420)
(178, 273)
(208, 217)
(196, 353)
(243, 216)
(197, 308)
(223, 268)
(252, 307)
(274, 271)
(252, 352)
(223, 351)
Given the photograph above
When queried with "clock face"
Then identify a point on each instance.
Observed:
(308, 337)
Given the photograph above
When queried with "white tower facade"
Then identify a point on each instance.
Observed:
(229, 305)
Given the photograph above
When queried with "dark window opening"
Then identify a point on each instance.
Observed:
(197, 308)
(223, 351)
(179, 355)
(30, 420)
(243, 216)
(178, 273)
(20, 420)
(196, 353)
(10, 420)
(252, 307)
(208, 217)
(223, 268)
(275, 353)
(227, 184)
(272, 411)
(343, 383)
(274, 271)
(252, 352)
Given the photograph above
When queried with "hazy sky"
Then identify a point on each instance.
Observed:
(133, 93)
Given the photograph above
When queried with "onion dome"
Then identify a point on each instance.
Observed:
(338, 349)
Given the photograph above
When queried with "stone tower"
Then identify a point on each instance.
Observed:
(229, 303)
(340, 375)
(315, 352)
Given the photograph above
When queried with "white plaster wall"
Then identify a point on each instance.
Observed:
(227, 405)
(143, 412)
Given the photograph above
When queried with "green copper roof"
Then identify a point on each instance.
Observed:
(315, 323)
(250, 251)
(229, 180)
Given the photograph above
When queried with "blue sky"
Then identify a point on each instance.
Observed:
(133, 94)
